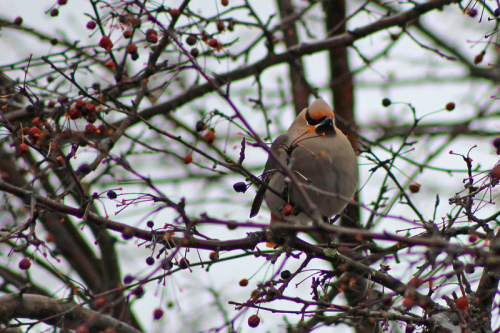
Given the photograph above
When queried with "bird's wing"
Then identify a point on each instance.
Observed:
(266, 175)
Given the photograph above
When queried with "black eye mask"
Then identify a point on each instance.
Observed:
(324, 126)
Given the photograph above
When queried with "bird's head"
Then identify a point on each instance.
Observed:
(317, 118)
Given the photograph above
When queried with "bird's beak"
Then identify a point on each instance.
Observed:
(325, 127)
(326, 122)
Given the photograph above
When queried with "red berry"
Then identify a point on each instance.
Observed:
(100, 302)
(34, 132)
(183, 263)
(74, 113)
(82, 329)
(127, 34)
(111, 65)
(90, 129)
(91, 25)
(152, 38)
(462, 303)
(450, 106)
(106, 43)
(213, 43)
(60, 160)
(214, 256)
(24, 264)
(287, 210)
(253, 321)
(150, 32)
(62, 2)
(175, 13)
(495, 172)
(79, 104)
(209, 137)
(188, 159)
(52, 104)
(414, 188)
(243, 282)
(54, 12)
(220, 26)
(157, 314)
(224, 2)
(132, 48)
(23, 148)
(136, 23)
(408, 302)
(18, 20)
(90, 108)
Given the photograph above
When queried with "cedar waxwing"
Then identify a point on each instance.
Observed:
(323, 161)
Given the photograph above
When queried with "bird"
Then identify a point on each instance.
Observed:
(323, 161)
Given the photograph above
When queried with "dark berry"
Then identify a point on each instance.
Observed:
(139, 291)
(450, 106)
(497, 12)
(285, 274)
(458, 266)
(183, 263)
(386, 102)
(496, 143)
(128, 279)
(469, 268)
(166, 265)
(127, 233)
(150, 224)
(194, 52)
(157, 314)
(240, 187)
(150, 261)
(54, 12)
(30, 109)
(191, 40)
(112, 194)
(91, 25)
(200, 126)
(243, 282)
(472, 12)
(84, 168)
